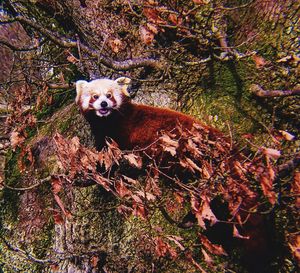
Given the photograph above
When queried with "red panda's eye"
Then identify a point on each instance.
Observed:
(95, 97)
(108, 95)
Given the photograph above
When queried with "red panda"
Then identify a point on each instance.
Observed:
(107, 107)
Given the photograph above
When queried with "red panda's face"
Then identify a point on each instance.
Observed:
(102, 96)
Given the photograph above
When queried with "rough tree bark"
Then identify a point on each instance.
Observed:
(196, 56)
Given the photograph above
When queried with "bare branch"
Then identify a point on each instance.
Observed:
(24, 253)
(258, 91)
(47, 179)
(60, 85)
(237, 7)
(15, 48)
(68, 43)
(290, 165)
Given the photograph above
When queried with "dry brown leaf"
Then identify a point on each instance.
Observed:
(105, 159)
(102, 181)
(296, 188)
(153, 28)
(207, 214)
(139, 211)
(267, 187)
(130, 180)
(57, 217)
(295, 246)
(124, 210)
(115, 45)
(161, 247)
(146, 195)
(54, 267)
(72, 59)
(237, 234)
(147, 36)
(287, 136)
(134, 160)
(259, 61)
(94, 261)
(74, 145)
(190, 164)
(201, 2)
(272, 153)
(212, 248)
(176, 240)
(56, 185)
(175, 19)
(168, 144)
(153, 15)
(179, 197)
(121, 189)
(62, 207)
(16, 139)
(207, 258)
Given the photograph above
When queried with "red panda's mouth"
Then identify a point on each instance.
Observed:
(103, 112)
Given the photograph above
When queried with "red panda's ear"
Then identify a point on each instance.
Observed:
(79, 89)
(124, 83)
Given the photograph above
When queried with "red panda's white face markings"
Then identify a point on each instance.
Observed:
(103, 96)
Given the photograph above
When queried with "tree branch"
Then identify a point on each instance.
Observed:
(15, 48)
(258, 91)
(47, 179)
(24, 253)
(290, 165)
(68, 43)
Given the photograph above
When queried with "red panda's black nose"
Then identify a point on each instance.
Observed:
(103, 104)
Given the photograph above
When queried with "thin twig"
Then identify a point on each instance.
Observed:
(47, 179)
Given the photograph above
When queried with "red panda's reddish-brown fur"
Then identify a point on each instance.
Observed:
(137, 126)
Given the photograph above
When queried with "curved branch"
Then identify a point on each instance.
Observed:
(47, 179)
(68, 43)
(15, 48)
(258, 91)
(24, 253)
